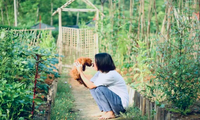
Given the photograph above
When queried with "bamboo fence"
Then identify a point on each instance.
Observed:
(33, 35)
(78, 43)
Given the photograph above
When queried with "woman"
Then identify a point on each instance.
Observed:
(107, 86)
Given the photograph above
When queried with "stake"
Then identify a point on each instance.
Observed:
(36, 76)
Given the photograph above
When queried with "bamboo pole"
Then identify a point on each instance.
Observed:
(78, 42)
(15, 12)
(111, 14)
(169, 17)
(164, 20)
(60, 40)
(78, 10)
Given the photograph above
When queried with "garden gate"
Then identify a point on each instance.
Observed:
(76, 42)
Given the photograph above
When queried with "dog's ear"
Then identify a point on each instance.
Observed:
(88, 62)
(84, 67)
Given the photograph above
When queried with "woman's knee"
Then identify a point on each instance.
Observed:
(101, 88)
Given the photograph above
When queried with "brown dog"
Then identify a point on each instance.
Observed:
(74, 72)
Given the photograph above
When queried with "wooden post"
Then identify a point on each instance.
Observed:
(60, 40)
(137, 99)
(151, 108)
(155, 109)
(77, 18)
(148, 111)
(141, 104)
(168, 115)
(96, 34)
(144, 106)
(132, 93)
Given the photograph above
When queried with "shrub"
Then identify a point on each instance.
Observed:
(15, 101)
(178, 71)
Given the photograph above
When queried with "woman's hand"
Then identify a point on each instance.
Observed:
(78, 67)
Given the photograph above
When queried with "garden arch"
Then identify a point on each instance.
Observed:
(74, 42)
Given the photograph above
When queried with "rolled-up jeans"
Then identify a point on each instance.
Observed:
(107, 100)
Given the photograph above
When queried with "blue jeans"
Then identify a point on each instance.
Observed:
(107, 100)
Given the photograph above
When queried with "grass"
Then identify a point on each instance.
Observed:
(63, 102)
(133, 113)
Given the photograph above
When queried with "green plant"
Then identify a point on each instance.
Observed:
(18, 60)
(15, 100)
(177, 72)
(133, 113)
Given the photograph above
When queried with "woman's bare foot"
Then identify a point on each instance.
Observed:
(107, 115)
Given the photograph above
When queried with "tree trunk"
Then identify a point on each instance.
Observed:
(7, 14)
(149, 23)
(131, 15)
(138, 34)
(124, 17)
(102, 9)
(2, 16)
(157, 25)
(51, 13)
(142, 19)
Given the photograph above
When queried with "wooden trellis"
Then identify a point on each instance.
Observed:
(77, 43)
(76, 37)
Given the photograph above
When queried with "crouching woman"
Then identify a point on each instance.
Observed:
(107, 86)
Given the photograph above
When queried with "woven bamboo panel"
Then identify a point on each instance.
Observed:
(78, 43)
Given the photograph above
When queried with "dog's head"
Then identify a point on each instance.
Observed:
(85, 61)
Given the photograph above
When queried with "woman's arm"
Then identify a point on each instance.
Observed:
(88, 83)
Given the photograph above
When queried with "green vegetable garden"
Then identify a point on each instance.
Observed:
(155, 45)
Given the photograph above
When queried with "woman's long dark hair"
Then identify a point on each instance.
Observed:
(104, 62)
